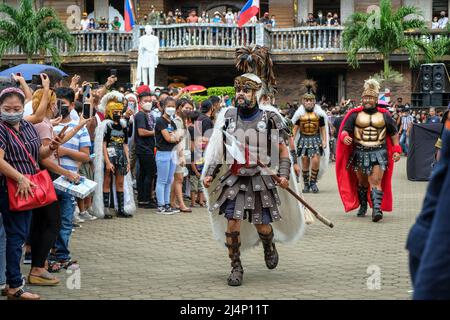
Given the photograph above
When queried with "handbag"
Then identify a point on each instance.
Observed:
(44, 193)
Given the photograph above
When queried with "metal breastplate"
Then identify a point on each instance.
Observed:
(253, 134)
(309, 124)
(370, 129)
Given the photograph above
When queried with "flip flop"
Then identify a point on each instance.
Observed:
(19, 296)
(188, 210)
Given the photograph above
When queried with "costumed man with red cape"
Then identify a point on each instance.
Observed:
(368, 145)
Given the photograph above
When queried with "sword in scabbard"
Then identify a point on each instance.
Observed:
(296, 196)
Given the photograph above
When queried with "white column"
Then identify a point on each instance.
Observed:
(347, 9)
(101, 9)
(304, 7)
(425, 5)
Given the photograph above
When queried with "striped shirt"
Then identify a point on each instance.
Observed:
(80, 140)
(14, 153)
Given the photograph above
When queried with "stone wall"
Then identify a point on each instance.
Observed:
(290, 76)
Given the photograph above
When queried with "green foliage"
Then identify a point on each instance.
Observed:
(385, 32)
(221, 91)
(33, 31)
(199, 99)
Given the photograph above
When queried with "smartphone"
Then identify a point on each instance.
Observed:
(114, 72)
(59, 104)
(36, 79)
(87, 110)
(86, 92)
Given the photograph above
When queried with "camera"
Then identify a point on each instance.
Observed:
(36, 79)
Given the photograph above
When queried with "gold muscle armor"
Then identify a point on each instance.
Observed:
(370, 129)
(309, 124)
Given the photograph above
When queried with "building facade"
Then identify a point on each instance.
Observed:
(204, 54)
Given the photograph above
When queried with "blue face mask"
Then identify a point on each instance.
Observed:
(11, 118)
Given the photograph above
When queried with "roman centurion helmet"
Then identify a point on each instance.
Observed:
(111, 102)
(371, 88)
(310, 88)
(248, 81)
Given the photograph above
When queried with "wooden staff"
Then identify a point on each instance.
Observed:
(296, 196)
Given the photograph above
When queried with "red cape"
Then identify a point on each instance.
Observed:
(347, 180)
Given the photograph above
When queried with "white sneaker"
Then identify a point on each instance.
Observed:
(86, 216)
(77, 219)
(161, 210)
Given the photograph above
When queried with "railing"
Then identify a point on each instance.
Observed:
(203, 35)
(432, 35)
(306, 39)
(218, 36)
(100, 41)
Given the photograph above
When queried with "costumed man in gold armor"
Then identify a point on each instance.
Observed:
(367, 148)
(311, 137)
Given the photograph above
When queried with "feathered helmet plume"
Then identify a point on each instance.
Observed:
(371, 88)
(257, 60)
(310, 88)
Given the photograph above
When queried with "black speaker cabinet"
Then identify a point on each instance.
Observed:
(426, 82)
(439, 75)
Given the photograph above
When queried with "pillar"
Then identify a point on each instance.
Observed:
(347, 9)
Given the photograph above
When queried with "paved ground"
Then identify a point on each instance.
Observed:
(174, 257)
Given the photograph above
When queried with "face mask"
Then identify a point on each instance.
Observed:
(320, 16)
(116, 117)
(147, 106)
(157, 94)
(186, 113)
(65, 111)
(123, 123)
(170, 111)
(11, 118)
(217, 17)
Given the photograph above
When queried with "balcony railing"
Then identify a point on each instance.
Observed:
(203, 35)
(216, 36)
(306, 39)
(100, 41)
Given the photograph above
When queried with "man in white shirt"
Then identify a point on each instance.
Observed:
(84, 23)
(443, 21)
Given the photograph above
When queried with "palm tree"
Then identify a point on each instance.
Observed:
(386, 33)
(32, 31)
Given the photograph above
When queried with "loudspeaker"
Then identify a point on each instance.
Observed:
(439, 75)
(427, 77)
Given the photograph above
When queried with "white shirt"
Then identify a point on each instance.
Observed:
(28, 109)
(74, 116)
(434, 25)
(443, 22)
(84, 24)
(229, 18)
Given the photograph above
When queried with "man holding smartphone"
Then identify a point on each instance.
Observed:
(71, 155)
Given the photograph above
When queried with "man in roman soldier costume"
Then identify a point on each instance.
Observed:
(368, 145)
(111, 163)
(311, 138)
(247, 140)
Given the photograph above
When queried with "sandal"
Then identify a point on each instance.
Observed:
(54, 266)
(19, 295)
(186, 210)
(45, 279)
(69, 264)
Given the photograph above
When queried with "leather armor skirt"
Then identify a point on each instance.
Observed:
(365, 158)
(309, 146)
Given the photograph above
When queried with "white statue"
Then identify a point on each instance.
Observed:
(148, 57)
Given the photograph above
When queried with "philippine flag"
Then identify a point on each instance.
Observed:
(129, 15)
(250, 10)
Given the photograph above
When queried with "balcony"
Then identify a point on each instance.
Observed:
(211, 43)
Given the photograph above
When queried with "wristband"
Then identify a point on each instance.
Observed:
(397, 149)
(294, 156)
(285, 168)
(343, 135)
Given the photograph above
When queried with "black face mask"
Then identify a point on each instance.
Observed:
(116, 117)
(64, 111)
